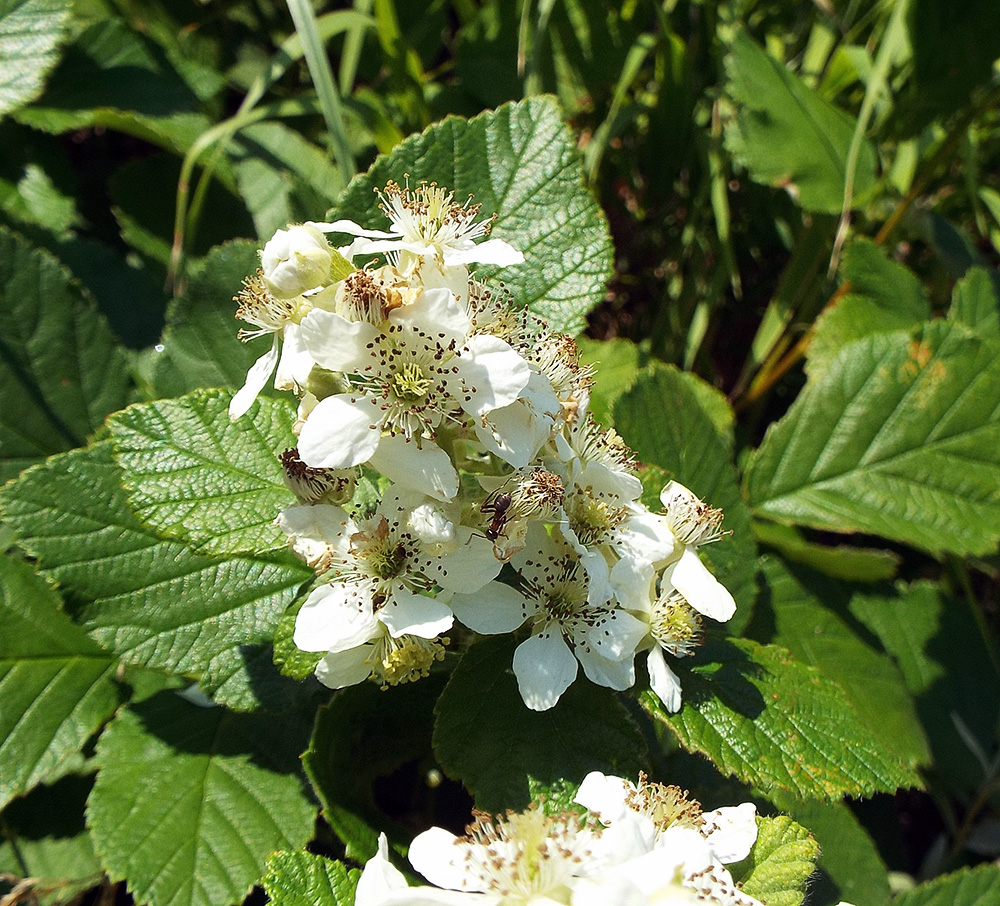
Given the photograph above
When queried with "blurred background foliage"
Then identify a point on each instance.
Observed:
(751, 157)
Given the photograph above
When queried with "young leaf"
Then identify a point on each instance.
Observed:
(817, 635)
(688, 443)
(303, 879)
(900, 438)
(194, 474)
(485, 736)
(56, 685)
(966, 887)
(779, 864)
(777, 724)
(153, 602)
(786, 135)
(30, 32)
(61, 369)
(521, 162)
(189, 801)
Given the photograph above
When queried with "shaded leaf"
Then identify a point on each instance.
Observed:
(235, 796)
(485, 736)
(976, 302)
(966, 887)
(842, 561)
(30, 32)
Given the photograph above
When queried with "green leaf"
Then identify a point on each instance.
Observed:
(292, 660)
(190, 801)
(304, 879)
(976, 302)
(786, 135)
(967, 887)
(819, 636)
(779, 864)
(61, 369)
(44, 838)
(853, 564)
(521, 163)
(30, 32)
(200, 346)
(684, 438)
(900, 438)
(487, 738)
(884, 296)
(617, 363)
(365, 733)
(850, 868)
(948, 668)
(153, 602)
(776, 723)
(56, 685)
(194, 474)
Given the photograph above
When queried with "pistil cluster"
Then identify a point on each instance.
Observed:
(504, 506)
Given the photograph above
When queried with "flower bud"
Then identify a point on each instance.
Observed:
(296, 260)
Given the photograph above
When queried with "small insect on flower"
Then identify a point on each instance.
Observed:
(495, 506)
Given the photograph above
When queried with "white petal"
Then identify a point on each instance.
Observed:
(663, 681)
(645, 536)
(440, 858)
(466, 568)
(335, 617)
(731, 831)
(493, 609)
(544, 667)
(602, 671)
(632, 581)
(336, 343)
(492, 251)
(426, 469)
(257, 377)
(408, 614)
(313, 530)
(344, 668)
(618, 635)
(379, 877)
(608, 482)
(435, 311)
(295, 362)
(490, 375)
(703, 591)
(341, 431)
(604, 794)
(349, 227)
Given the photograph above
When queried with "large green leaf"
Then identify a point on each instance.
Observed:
(200, 346)
(60, 368)
(819, 636)
(780, 863)
(776, 723)
(193, 473)
(56, 685)
(671, 419)
(486, 737)
(153, 602)
(30, 32)
(900, 438)
(190, 801)
(521, 163)
(967, 887)
(786, 135)
(304, 879)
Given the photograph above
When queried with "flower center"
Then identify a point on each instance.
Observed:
(665, 805)
(404, 660)
(675, 624)
(591, 518)
(384, 556)
(410, 383)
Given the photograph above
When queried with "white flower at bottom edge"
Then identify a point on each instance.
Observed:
(568, 627)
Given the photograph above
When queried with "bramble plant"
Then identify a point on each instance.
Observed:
(615, 429)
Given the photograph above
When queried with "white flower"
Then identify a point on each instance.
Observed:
(568, 624)
(280, 318)
(295, 261)
(413, 375)
(426, 222)
(375, 615)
